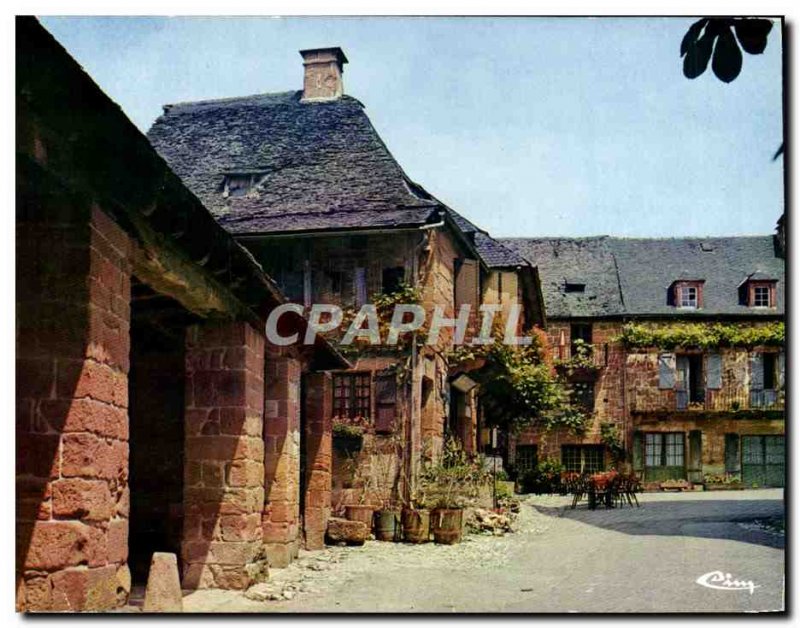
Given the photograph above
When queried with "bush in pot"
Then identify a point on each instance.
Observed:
(448, 486)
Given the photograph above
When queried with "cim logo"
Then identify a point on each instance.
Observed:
(725, 582)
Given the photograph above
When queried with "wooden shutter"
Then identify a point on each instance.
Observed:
(385, 403)
(781, 370)
(360, 286)
(756, 371)
(666, 371)
(714, 371)
(732, 464)
(638, 458)
(695, 462)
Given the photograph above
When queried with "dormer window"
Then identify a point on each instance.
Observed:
(757, 291)
(574, 284)
(762, 294)
(239, 184)
(687, 295)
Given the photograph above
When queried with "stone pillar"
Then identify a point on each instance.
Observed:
(224, 457)
(281, 520)
(318, 458)
(73, 313)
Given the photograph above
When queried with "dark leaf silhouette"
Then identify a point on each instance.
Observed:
(778, 152)
(698, 52)
(752, 34)
(715, 34)
(727, 61)
(692, 34)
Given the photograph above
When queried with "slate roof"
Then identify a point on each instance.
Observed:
(631, 276)
(492, 252)
(318, 165)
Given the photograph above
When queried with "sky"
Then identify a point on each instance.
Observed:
(526, 126)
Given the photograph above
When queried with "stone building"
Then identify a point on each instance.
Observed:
(151, 413)
(681, 412)
(303, 180)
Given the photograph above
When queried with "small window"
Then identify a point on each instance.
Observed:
(664, 450)
(392, 279)
(687, 296)
(335, 278)
(582, 458)
(583, 395)
(238, 184)
(574, 287)
(351, 395)
(526, 458)
(761, 296)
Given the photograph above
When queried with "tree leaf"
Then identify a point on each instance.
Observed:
(692, 34)
(727, 61)
(752, 34)
(698, 53)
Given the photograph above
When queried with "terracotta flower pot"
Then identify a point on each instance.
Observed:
(360, 512)
(446, 525)
(416, 525)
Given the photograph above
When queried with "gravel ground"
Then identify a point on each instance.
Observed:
(557, 560)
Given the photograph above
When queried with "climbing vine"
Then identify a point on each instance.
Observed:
(702, 335)
(520, 387)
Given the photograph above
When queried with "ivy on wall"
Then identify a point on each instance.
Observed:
(701, 335)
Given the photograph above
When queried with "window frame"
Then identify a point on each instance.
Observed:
(688, 297)
(768, 286)
(353, 401)
(665, 449)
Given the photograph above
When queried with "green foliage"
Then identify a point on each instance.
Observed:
(569, 417)
(702, 335)
(581, 359)
(347, 430)
(611, 436)
(545, 478)
(517, 386)
(453, 481)
(724, 478)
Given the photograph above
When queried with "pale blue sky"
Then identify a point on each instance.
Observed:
(527, 126)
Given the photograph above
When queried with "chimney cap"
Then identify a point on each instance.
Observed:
(311, 55)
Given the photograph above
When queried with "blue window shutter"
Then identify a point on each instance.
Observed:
(714, 371)
(666, 371)
(756, 371)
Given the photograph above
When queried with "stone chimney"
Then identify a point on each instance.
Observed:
(322, 79)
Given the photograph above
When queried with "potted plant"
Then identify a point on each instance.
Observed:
(348, 436)
(723, 482)
(363, 511)
(388, 526)
(449, 486)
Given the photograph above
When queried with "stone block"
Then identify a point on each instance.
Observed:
(163, 593)
(345, 531)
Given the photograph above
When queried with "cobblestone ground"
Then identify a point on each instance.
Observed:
(558, 560)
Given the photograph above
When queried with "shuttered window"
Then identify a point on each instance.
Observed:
(666, 371)
(732, 464)
(714, 371)
(757, 371)
(351, 395)
(385, 403)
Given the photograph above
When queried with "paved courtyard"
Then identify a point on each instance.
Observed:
(559, 560)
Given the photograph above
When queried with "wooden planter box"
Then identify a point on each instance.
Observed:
(730, 486)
